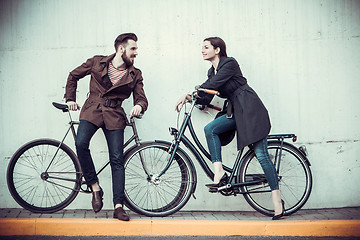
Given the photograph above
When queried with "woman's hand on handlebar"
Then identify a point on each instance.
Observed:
(181, 101)
(73, 106)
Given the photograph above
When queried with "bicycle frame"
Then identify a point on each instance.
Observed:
(71, 128)
(180, 137)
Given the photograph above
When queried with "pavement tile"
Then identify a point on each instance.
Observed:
(224, 216)
(102, 214)
(52, 215)
(353, 213)
(74, 214)
(90, 214)
(177, 216)
(10, 213)
(28, 214)
(208, 216)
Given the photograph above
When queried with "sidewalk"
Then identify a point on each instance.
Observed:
(319, 222)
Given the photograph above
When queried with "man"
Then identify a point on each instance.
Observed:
(113, 79)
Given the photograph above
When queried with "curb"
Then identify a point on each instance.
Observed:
(113, 227)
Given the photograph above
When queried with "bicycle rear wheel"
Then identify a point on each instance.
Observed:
(295, 179)
(43, 177)
(149, 196)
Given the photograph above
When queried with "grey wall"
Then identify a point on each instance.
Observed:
(301, 56)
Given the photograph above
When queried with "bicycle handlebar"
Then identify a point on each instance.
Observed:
(210, 91)
(65, 108)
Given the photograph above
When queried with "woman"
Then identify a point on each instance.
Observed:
(245, 113)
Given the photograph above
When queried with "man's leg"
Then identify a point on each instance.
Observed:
(86, 131)
(115, 141)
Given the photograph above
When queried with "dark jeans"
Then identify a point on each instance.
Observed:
(224, 124)
(115, 141)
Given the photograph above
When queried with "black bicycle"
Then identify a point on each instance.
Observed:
(44, 175)
(161, 177)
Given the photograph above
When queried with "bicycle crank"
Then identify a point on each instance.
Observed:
(225, 187)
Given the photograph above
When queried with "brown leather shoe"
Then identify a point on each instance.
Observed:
(120, 214)
(96, 201)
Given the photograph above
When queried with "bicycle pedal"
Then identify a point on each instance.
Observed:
(213, 190)
(227, 186)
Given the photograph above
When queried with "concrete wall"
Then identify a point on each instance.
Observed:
(301, 56)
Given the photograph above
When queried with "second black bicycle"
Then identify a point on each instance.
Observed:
(161, 176)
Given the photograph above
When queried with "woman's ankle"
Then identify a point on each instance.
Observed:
(95, 187)
(218, 176)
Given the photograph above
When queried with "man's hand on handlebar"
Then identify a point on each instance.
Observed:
(135, 111)
(73, 106)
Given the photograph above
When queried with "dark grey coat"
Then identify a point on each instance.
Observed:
(252, 118)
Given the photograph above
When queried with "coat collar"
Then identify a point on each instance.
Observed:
(128, 78)
(222, 61)
(107, 60)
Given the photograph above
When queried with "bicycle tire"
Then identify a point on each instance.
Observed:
(36, 189)
(295, 179)
(157, 197)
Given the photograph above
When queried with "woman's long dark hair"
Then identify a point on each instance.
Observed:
(218, 43)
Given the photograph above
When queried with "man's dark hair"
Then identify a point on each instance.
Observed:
(218, 43)
(123, 39)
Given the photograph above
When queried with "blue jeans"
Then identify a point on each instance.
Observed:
(223, 124)
(115, 141)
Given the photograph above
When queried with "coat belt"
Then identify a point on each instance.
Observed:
(106, 101)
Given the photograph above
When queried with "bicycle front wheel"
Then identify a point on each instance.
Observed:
(157, 197)
(295, 179)
(44, 176)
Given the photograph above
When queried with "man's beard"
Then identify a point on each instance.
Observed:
(127, 60)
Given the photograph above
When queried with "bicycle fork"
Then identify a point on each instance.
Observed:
(172, 150)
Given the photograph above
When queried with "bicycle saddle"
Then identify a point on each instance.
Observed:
(60, 106)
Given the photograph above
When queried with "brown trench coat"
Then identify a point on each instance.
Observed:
(103, 105)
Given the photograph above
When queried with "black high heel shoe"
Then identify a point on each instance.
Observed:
(277, 217)
(222, 182)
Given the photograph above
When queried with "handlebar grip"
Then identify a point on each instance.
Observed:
(210, 91)
(138, 117)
